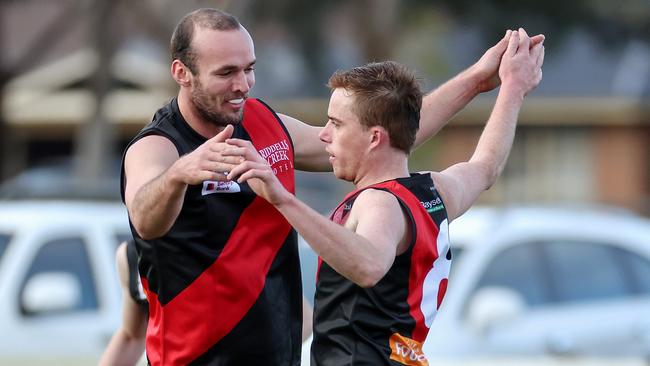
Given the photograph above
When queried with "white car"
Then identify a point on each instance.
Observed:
(59, 292)
(60, 299)
(525, 282)
(551, 282)
(543, 285)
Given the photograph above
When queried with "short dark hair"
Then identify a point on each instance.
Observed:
(181, 42)
(386, 94)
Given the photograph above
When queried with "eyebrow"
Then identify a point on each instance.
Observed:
(334, 118)
(232, 67)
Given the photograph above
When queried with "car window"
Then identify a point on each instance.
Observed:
(4, 242)
(584, 271)
(639, 269)
(518, 268)
(69, 256)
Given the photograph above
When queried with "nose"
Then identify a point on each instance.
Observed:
(324, 134)
(241, 83)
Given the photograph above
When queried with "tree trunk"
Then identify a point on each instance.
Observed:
(94, 145)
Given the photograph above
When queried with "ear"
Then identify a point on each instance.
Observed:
(378, 136)
(181, 73)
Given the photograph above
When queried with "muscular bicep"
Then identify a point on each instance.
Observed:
(309, 150)
(145, 160)
(460, 185)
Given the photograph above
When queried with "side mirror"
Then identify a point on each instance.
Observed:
(491, 306)
(51, 292)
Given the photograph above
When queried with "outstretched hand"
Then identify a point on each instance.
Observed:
(486, 69)
(256, 172)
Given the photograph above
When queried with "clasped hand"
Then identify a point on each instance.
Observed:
(256, 171)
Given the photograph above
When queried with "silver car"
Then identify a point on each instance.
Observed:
(541, 286)
(546, 281)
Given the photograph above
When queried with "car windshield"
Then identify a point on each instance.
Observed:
(4, 242)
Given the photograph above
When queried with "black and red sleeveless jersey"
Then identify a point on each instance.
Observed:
(387, 323)
(224, 283)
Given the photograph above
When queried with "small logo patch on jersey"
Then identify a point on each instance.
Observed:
(210, 186)
(277, 155)
(433, 205)
(407, 351)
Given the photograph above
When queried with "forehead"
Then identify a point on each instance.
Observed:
(341, 105)
(216, 47)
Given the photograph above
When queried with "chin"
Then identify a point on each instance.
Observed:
(342, 176)
(235, 118)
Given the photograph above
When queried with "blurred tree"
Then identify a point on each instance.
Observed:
(32, 55)
(375, 30)
(94, 142)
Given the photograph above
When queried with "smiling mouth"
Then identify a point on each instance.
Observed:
(236, 101)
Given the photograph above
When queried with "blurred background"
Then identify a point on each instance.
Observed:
(78, 79)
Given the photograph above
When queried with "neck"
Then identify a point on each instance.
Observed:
(194, 118)
(382, 167)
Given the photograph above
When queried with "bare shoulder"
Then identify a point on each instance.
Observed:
(374, 201)
(146, 159)
(380, 218)
(150, 153)
(152, 147)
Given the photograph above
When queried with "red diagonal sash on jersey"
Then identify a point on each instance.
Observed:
(212, 305)
(218, 299)
(422, 259)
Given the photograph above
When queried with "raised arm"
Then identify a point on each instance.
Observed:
(438, 107)
(156, 179)
(520, 72)
(309, 150)
(363, 250)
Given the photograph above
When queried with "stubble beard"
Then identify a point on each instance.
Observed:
(206, 107)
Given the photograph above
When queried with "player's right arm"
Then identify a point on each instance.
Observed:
(153, 191)
(157, 178)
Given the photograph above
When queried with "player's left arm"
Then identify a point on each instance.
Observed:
(309, 150)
